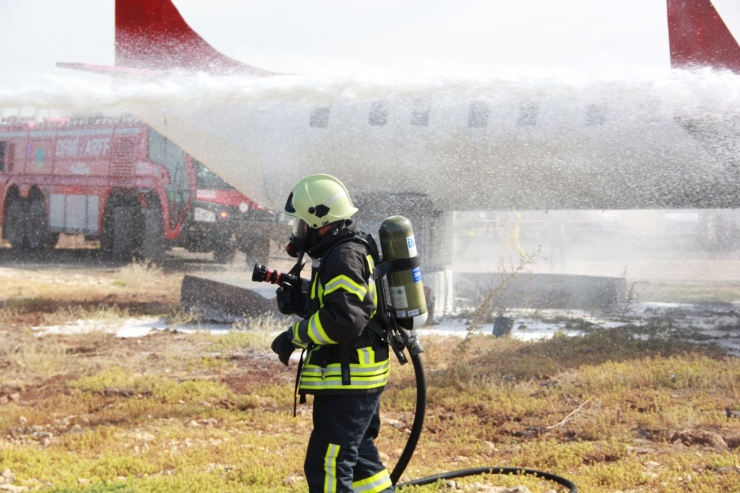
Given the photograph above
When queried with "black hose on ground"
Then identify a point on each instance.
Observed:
(492, 470)
(408, 450)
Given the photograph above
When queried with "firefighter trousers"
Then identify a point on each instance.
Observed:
(341, 455)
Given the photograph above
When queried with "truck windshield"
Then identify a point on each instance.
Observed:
(206, 179)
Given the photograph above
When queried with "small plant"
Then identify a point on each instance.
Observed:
(139, 273)
(179, 317)
(630, 297)
(493, 302)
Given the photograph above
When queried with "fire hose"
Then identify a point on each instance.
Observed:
(408, 451)
(263, 274)
(402, 336)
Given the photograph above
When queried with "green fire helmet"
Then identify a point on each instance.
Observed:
(320, 200)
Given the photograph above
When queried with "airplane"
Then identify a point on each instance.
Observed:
(608, 144)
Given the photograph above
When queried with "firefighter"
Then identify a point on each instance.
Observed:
(511, 221)
(347, 360)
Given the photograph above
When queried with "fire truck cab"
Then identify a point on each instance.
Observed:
(119, 181)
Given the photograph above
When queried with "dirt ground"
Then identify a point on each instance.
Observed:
(617, 410)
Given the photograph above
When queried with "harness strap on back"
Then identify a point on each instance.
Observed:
(396, 265)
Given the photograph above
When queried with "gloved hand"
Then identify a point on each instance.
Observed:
(285, 295)
(283, 346)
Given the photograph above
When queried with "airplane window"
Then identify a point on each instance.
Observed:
(378, 113)
(320, 117)
(478, 115)
(595, 115)
(420, 113)
(528, 111)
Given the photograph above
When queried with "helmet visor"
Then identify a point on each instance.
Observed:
(300, 228)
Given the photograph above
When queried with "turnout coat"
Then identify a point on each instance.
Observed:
(340, 328)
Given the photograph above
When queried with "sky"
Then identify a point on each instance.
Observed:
(339, 36)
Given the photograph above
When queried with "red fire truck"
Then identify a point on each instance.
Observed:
(119, 181)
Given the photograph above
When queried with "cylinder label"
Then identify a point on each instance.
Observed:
(417, 274)
(413, 313)
(411, 242)
(398, 297)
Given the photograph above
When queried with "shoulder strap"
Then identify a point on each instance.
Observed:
(356, 237)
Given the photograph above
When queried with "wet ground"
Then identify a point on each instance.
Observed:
(696, 293)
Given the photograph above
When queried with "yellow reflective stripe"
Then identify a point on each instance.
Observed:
(347, 284)
(373, 484)
(371, 289)
(373, 296)
(364, 356)
(296, 335)
(330, 468)
(316, 331)
(313, 287)
(321, 294)
(336, 384)
(335, 368)
(362, 378)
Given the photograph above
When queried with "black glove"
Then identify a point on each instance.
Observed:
(283, 346)
(285, 296)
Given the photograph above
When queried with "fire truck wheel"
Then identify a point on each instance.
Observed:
(153, 243)
(37, 232)
(123, 233)
(224, 254)
(15, 224)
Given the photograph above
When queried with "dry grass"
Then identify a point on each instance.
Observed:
(172, 410)
(206, 413)
(47, 290)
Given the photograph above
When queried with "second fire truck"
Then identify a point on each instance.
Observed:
(119, 181)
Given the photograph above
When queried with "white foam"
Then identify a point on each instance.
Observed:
(705, 90)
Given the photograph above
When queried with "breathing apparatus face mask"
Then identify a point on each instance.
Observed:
(302, 237)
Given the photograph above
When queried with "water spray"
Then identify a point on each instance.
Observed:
(400, 274)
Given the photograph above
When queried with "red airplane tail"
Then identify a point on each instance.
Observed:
(152, 35)
(699, 37)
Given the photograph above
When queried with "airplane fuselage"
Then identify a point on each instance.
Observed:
(611, 145)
